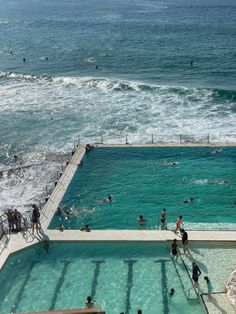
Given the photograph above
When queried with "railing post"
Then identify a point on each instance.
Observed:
(126, 139)
(46, 190)
(208, 138)
(180, 139)
(62, 168)
(101, 139)
(152, 139)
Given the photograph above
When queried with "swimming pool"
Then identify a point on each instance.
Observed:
(143, 180)
(120, 277)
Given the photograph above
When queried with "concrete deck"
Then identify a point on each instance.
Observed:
(16, 242)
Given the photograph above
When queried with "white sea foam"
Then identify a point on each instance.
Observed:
(45, 114)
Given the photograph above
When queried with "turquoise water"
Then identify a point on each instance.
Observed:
(120, 277)
(144, 83)
(141, 182)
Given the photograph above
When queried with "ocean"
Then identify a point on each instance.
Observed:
(72, 68)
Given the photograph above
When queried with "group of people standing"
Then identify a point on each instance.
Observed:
(14, 219)
(196, 272)
(15, 223)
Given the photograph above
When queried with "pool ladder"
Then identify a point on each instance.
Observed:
(187, 292)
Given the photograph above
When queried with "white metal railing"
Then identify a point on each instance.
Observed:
(156, 139)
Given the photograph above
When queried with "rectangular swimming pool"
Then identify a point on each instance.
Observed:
(142, 181)
(120, 277)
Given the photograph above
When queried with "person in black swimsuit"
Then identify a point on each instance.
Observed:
(196, 272)
(174, 249)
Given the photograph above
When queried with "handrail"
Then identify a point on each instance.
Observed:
(169, 138)
(189, 276)
(184, 290)
(179, 276)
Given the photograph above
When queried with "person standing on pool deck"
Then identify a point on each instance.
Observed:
(178, 224)
(209, 287)
(184, 240)
(163, 219)
(196, 272)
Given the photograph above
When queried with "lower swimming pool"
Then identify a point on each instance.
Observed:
(142, 181)
(120, 277)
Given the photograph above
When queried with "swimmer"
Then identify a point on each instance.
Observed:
(216, 151)
(89, 147)
(60, 228)
(170, 164)
(163, 219)
(218, 182)
(46, 245)
(190, 200)
(106, 200)
(172, 292)
(141, 220)
(24, 59)
(58, 211)
(85, 228)
(174, 249)
(90, 302)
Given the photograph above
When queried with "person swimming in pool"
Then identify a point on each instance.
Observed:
(218, 181)
(85, 228)
(170, 164)
(142, 220)
(172, 292)
(106, 200)
(190, 200)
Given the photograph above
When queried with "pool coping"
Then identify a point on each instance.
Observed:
(20, 241)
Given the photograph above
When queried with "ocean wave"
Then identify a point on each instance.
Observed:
(113, 85)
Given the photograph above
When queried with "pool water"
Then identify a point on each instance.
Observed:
(142, 181)
(120, 277)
